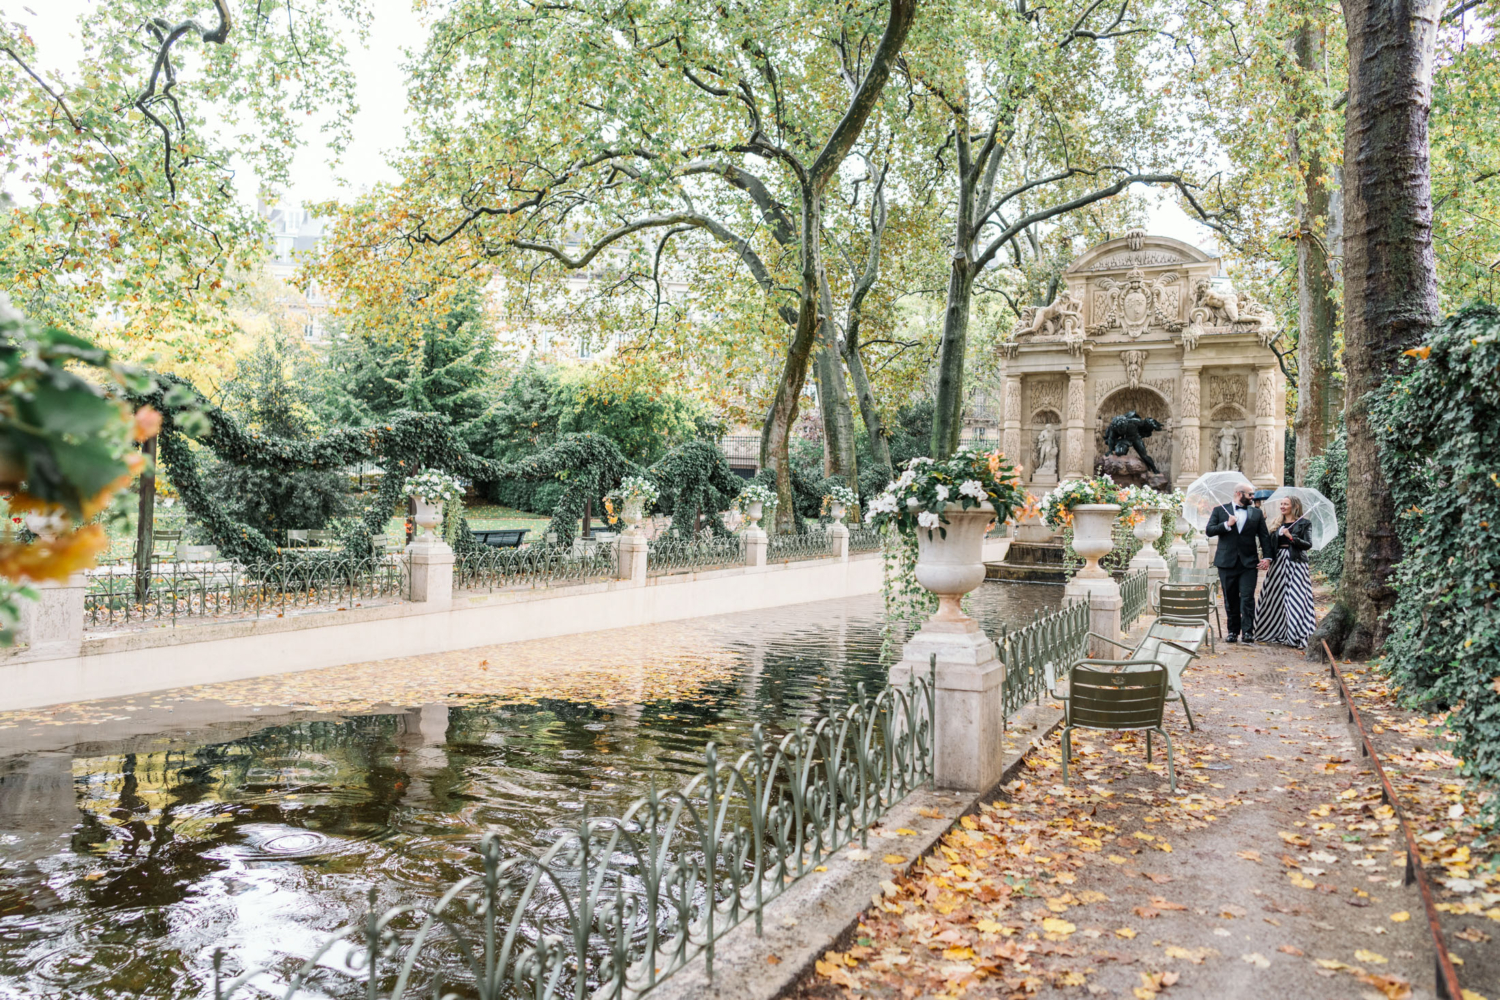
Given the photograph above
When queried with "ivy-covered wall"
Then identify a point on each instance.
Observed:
(1439, 431)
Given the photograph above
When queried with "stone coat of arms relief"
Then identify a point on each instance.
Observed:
(1137, 303)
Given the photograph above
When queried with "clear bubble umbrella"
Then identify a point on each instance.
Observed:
(1317, 511)
(1210, 490)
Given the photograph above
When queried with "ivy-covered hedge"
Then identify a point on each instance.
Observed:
(1439, 433)
(695, 478)
(588, 465)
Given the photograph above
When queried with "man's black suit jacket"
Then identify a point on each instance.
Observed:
(1237, 544)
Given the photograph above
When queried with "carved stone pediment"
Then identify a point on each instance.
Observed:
(1137, 303)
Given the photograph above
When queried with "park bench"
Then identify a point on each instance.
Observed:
(500, 538)
(1170, 645)
(1117, 695)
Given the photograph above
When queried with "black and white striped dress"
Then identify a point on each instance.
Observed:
(1286, 613)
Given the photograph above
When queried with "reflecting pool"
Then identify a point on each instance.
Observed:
(139, 834)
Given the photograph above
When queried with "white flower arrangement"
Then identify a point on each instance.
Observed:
(433, 486)
(756, 493)
(839, 494)
(1138, 497)
(919, 495)
(636, 488)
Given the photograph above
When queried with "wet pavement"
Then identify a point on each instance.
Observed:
(139, 834)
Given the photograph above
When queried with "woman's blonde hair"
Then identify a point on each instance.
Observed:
(1296, 513)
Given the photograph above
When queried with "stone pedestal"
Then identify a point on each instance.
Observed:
(431, 572)
(839, 532)
(631, 553)
(969, 705)
(1148, 559)
(1105, 604)
(52, 625)
(1200, 552)
(755, 547)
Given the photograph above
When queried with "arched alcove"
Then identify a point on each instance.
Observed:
(1146, 402)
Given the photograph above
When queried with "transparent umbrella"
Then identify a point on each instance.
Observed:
(1210, 490)
(1317, 510)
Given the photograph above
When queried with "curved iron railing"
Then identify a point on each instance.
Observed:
(535, 565)
(791, 548)
(671, 554)
(862, 539)
(1133, 591)
(215, 588)
(616, 905)
(1060, 638)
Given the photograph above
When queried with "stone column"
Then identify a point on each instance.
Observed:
(431, 564)
(631, 555)
(1266, 474)
(839, 532)
(1073, 460)
(1190, 447)
(969, 703)
(52, 625)
(1011, 430)
(755, 547)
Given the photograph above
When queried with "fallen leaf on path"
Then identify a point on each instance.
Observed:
(1401, 916)
(1256, 959)
(1291, 949)
(1365, 955)
(1248, 855)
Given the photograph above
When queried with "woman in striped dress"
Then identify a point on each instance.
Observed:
(1286, 611)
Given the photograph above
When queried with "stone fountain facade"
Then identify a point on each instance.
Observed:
(1144, 323)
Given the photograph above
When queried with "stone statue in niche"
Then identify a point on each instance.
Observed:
(1128, 431)
(1046, 451)
(1227, 449)
(1063, 317)
(1135, 367)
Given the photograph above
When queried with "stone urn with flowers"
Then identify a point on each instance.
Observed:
(942, 509)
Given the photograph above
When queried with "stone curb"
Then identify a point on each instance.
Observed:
(823, 908)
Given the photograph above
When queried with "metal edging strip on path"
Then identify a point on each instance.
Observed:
(1447, 987)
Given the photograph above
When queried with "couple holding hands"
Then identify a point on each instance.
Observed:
(1286, 612)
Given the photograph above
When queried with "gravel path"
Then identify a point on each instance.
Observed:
(1274, 872)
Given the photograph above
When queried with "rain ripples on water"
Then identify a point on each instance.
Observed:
(126, 858)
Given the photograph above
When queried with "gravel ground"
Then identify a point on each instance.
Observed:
(1281, 878)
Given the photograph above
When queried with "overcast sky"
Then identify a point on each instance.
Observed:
(381, 95)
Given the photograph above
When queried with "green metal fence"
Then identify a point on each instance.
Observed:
(535, 565)
(1133, 590)
(791, 548)
(862, 539)
(188, 591)
(1060, 638)
(615, 905)
(670, 554)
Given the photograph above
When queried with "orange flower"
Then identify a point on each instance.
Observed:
(53, 559)
(147, 423)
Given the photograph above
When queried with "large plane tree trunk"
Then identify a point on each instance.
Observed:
(1390, 275)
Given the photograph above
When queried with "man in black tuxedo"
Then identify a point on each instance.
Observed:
(1239, 528)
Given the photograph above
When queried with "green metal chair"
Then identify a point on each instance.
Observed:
(1116, 695)
(297, 536)
(1173, 646)
(1189, 602)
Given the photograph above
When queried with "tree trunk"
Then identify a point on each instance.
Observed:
(880, 443)
(948, 413)
(775, 438)
(833, 395)
(1316, 315)
(1390, 276)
